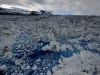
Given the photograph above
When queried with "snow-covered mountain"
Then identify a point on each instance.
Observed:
(50, 45)
(44, 12)
(20, 11)
(41, 12)
(13, 10)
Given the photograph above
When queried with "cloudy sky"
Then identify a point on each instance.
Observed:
(79, 7)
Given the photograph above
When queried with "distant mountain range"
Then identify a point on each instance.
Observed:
(19, 11)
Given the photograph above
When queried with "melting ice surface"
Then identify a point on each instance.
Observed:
(29, 58)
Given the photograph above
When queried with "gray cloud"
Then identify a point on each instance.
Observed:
(86, 7)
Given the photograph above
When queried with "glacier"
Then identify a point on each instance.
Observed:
(50, 45)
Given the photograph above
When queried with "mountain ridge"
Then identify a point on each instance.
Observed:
(20, 11)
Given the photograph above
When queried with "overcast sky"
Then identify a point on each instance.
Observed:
(84, 7)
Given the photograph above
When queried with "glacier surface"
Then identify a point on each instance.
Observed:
(50, 45)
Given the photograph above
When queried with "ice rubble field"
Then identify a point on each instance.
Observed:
(50, 45)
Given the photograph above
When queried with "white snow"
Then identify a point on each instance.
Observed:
(7, 38)
(8, 55)
(69, 47)
(51, 37)
(94, 45)
(45, 48)
(38, 60)
(64, 46)
(84, 64)
(77, 46)
(34, 67)
(73, 40)
(28, 67)
(6, 41)
(2, 67)
(54, 45)
(16, 10)
(48, 72)
(18, 61)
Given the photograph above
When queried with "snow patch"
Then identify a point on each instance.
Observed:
(77, 46)
(54, 46)
(3, 67)
(48, 72)
(18, 61)
(64, 46)
(94, 45)
(84, 64)
(34, 67)
(8, 55)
